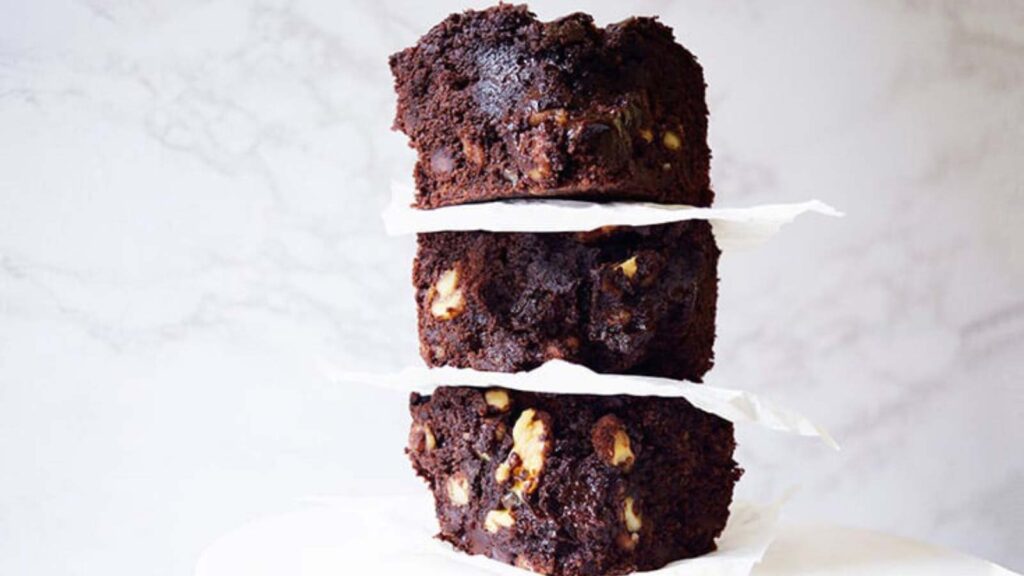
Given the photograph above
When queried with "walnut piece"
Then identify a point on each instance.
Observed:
(498, 519)
(611, 442)
(559, 115)
(540, 172)
(631, 518)
(473, 151)
(671, 140)
(458, 489)
(628, 267)
(446, 301)
(502, 472)
(622, 454)
(627, 541)
(531, 443)
(497, 399)
(421, 438)
(428, 436)
(634, 521)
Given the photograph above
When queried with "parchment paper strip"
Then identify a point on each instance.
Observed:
(559, 376)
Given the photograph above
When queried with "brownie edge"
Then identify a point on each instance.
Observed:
(498, 104)
(573, 485)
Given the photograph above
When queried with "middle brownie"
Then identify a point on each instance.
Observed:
(637, 300)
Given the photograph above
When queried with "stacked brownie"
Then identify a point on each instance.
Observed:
(626, 300)
(500, 105)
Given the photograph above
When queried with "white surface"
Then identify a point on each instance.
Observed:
(561, 377)
(392, 537)
(824, 550)
(395, 535)
(190, 198)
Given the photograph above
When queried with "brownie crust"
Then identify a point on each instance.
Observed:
(574, 485)
(501, 105)
(637, 300)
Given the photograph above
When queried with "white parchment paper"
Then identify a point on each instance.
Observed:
(349, 536)
(561, 377)
(734, 228)
(394, 535)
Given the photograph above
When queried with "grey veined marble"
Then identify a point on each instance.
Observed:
(189, 231)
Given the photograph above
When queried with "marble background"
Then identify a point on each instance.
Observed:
(189, 199)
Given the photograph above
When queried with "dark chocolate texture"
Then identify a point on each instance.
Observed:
(500, 105)
(619, 300)
(574, 485)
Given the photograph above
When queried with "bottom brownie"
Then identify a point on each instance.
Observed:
(573, 484)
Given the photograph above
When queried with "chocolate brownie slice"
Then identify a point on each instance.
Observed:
(574, 485)
(500, 105)
(635, 300)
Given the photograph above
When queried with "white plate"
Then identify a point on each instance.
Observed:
(393, 536)
(388, 536)
(838, 551)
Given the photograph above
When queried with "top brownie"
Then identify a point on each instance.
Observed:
(501, 105)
